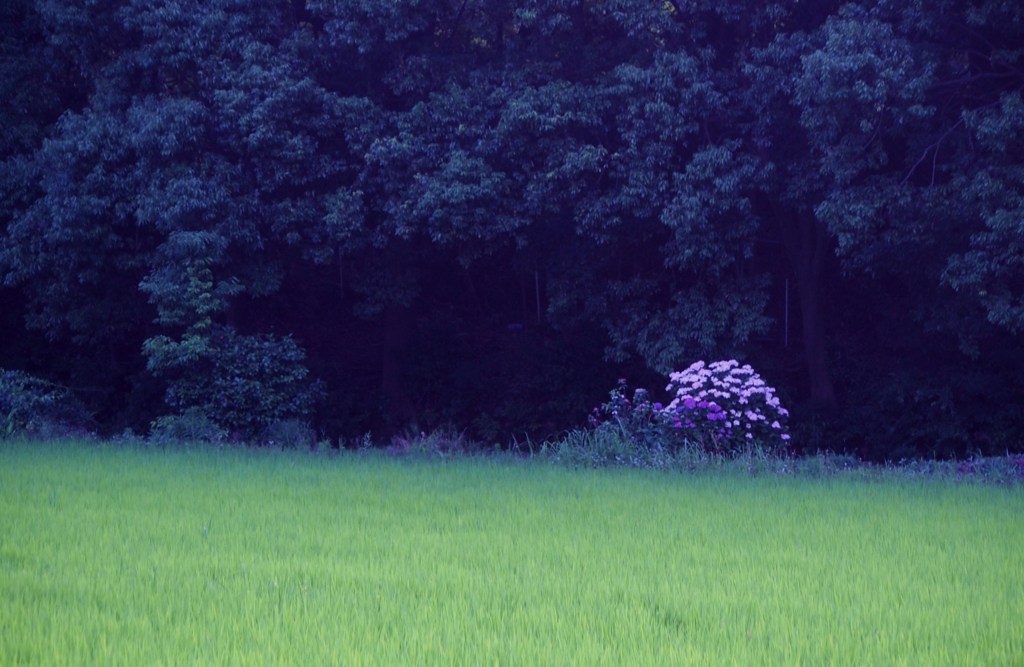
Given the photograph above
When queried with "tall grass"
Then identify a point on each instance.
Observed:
(121, 556)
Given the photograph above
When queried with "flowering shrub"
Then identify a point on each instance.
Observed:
(720, 407)
(725, 405)
(639, 420)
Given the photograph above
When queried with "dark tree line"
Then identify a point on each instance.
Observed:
(372, 214)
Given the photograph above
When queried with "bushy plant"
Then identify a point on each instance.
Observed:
(290, 434)
(361, 443)
(717, 408)
(32, 406)
(242, 383)
(192, 426)
(639, 420)
(439, 442)
(593, 448)
(726, 405)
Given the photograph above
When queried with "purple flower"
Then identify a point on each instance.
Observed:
(732, 398)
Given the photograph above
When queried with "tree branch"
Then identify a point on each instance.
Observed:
(935, 147)
(458, 19)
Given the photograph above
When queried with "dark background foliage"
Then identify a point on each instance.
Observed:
(423, 213)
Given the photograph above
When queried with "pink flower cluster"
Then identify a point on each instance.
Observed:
(744, 405)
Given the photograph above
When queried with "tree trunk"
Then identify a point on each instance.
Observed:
(398, 408)
(807, 245)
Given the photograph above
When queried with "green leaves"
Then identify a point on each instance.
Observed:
(32, 406)
(655, 170)
(241, 383)
(698, 319)
(859, 83)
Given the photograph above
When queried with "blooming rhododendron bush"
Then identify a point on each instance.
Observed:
(721, 407)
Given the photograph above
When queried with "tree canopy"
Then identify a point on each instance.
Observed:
(369, 214)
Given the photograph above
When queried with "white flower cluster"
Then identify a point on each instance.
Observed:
(749, 406)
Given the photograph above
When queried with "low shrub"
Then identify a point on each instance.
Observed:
(593, 448)
(243, 383)
(31, 406)
(290, 434)
(637, 420)
(192, 426)
(440, 442)
(720, 409)
(726, 406)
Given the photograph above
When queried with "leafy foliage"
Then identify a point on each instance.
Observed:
(190, 427)
(240, 383)
(33, 406)
(719, 409)
(191, 187)
(289, 434)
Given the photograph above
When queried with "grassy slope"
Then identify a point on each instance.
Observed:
(114, 556)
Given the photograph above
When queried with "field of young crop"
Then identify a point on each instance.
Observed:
(119, 556)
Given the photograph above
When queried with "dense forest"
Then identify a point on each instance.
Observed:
(377, 216)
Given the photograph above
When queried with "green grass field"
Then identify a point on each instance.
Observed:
(133, 557)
